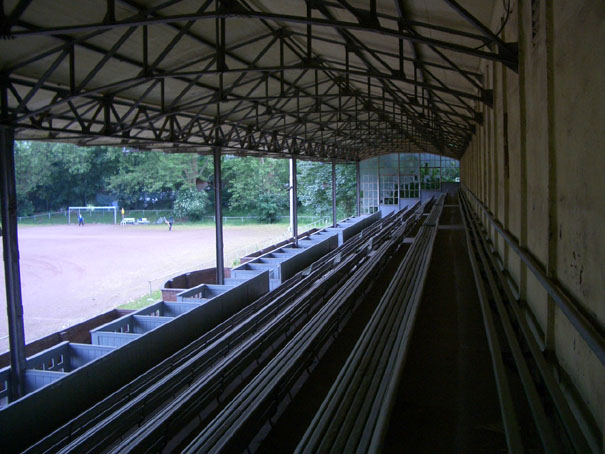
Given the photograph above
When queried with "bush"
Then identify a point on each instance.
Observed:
(191, 204)
(25, 207)
(269, 208)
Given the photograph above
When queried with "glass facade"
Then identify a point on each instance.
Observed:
(369, 185)
(430, 172)
(409, 187)
(390, 178)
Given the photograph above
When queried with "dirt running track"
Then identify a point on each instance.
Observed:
(71, 273)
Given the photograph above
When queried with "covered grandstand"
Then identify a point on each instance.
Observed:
(461, 309)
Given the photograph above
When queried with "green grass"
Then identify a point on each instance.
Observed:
(91, 217)
(152, 216)
(143, 301)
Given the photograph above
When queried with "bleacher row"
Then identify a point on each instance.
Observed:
(81, 374)
(354, 417)
(245, 420)
(223, 388)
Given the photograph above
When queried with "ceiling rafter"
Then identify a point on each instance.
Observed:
(344, 104)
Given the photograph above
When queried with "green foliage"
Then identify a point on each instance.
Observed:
(156, 174)
(315, 188)
(450, 174)
(191, 204)
(54, 175)
(258, 186)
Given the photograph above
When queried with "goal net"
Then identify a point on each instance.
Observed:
(91, 212)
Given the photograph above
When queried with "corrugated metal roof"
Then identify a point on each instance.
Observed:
(403, 76)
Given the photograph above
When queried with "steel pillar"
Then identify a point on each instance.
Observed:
(441, 173)
(293, 200)
(12, 277)
(333, 193)
(218, 216)
(358, 175)
(378, 176)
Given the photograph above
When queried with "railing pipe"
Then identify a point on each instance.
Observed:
(585, 327)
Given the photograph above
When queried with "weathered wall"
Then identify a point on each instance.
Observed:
(538, 165)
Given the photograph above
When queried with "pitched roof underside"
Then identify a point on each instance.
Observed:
(319, 79)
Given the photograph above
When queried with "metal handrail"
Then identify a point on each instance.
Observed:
(586, 327)
(477, 243)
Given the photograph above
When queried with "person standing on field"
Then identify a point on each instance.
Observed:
(170, 222)
(80, 220)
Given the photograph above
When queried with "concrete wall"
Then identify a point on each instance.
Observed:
(538, 165)
(79, 333)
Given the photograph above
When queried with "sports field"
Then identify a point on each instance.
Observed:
(71, 273)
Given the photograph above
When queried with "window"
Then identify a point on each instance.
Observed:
(409, 187)
(450, 170)
(430, 172)
(389, 195)
(409, 183)
(369, 185)
(369, 194)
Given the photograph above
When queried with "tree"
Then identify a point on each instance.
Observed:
(191, 203)
(54, 175)
(257, 185)
(32, 172)
(157, 176)
(315, 188)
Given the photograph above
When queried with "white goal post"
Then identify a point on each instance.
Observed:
(90, 209)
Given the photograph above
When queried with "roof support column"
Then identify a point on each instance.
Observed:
(358, 175)
(293, 199)
(218, 216)
(12, 277)
(333, 193)
(378, 180)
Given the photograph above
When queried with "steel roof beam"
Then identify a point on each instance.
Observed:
(337, 24)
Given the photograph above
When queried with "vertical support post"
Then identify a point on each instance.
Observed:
(218, 218)
(293, 199)
(358, 174)
(440, 174)
(12, 277)
(420, 176)
(398, 181)
(378, 177)
(333, 193)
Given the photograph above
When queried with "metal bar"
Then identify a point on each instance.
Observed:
(387, 53)
(358, 178)
(479, 26)
(173, 74)
(334, 193)
(12, 278)
(545, 368)
(507, 407)
(293, 200)
(378, 182)
(342, 25)
(218, 212)
(492, 274)
(585, 327)
(14, 16)
(111, 12)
